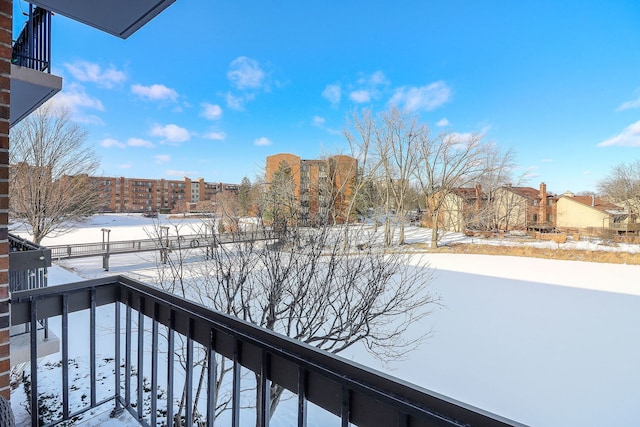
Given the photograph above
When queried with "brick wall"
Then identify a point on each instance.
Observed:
(6, 8)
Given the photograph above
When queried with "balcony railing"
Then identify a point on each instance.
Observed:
(156, 338)
(32, 48)
(28, 264)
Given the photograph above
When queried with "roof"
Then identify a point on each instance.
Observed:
(468, 193)
(596, 203)
(528, 192)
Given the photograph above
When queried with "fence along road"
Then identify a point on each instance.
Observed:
(163, 244)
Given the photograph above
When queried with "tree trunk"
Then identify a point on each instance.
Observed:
(434, 230)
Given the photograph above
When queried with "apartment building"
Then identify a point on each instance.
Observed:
(120, 194)
(323, 187)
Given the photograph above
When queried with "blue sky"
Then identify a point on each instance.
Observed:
(210, 88)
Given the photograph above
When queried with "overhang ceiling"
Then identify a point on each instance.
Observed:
(118, 17)
(29, 90)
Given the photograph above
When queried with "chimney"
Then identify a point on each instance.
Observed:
(542, 208)
(478, 196)
(593, 200)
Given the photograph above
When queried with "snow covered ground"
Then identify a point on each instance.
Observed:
(543, 342)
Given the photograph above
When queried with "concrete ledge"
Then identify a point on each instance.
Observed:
(21, 349)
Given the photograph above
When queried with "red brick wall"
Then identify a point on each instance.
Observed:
(6, 8)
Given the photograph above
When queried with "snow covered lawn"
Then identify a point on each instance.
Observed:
(543, 342)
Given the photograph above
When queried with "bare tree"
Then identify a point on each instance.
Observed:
(447, 162)
(361, 138)
(308, 286)
(50, 167)
(390, 143)
(398, 138)
(279, 206)
(246, 202)
(494, 207)
(622, 185)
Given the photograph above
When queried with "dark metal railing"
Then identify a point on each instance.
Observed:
(28, 264)
(191, 241)
(156, 324)
(32, 48)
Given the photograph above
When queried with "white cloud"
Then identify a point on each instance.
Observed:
(332, 93)
(236, 102)
(216, 136)
(128, 165)
(170, 133)
(109, 142)
(375, 79)
(89, 72)
(245, 73)
(630, 137)
(74, 97)
(139, 142)
(548, 160)
(460, 137)
(629, 105)
(443, 122)
(262, 141)
(211, 111)
(162, 158)
(360, 96)
(318, 121)
(154, 92)
(585, 173)
(423, 98)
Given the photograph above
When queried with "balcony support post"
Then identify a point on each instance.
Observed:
(264, 391)
(92, 346)
(34, 360)
(154, 365)
(346, 406)
(211, 383)
(117, 410)
(170, 366)
(140, 367)
(302, 397)
(235, 397)
(188, 413)
(65, 356)
(127, 350)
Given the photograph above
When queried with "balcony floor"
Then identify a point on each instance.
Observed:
(100, 417)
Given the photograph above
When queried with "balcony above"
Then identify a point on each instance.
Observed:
(120, 18)
(29, 90)
(31, 80)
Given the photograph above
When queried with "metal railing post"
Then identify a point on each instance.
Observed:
(34, 361)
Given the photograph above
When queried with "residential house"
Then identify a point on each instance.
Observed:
(591, 214)
(461, 207)
(523, 208)
(506, 208)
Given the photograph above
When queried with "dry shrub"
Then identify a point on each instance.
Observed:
(615, 257)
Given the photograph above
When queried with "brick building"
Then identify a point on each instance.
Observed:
(143, 195)
(323, 187)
